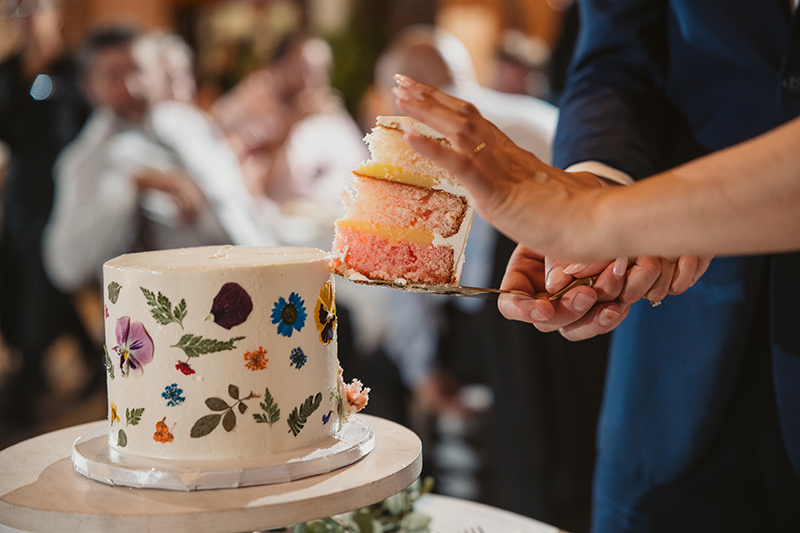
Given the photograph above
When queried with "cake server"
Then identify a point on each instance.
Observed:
(481, 292)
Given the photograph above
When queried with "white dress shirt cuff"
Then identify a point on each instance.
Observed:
(602, 170)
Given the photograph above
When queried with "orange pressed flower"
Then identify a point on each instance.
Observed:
(256, 359)
(163, 433)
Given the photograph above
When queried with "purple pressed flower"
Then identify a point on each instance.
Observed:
(231, 306)
(134, 346)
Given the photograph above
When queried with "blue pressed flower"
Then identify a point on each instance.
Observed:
(298, 358)
(289, 315)
(173, 395)
(326, 418)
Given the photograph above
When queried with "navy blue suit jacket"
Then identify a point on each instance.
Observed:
(654, 83)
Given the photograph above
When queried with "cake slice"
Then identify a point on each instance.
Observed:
(406, 218)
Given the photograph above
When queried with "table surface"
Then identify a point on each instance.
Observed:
(453, 515)
(40, 491)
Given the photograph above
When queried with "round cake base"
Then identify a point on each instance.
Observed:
(94, 458)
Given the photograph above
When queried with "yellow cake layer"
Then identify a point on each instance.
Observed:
(393, 173)
(393, 234)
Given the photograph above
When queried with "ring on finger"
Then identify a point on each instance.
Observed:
(476, 150)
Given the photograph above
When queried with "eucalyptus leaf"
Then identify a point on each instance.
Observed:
(122, 439)
(205, 425)
(233, 392)
(217, 404)
(229, 421)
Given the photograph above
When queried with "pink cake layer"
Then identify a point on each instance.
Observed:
(400, 205)
(377, 257)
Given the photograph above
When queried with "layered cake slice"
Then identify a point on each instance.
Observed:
(407, 219)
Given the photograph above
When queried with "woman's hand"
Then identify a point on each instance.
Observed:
(531, 202)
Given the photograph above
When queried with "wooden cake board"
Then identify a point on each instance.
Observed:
(41, 491)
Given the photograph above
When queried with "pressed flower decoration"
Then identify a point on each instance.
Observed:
(134, 346)
(163, 432)
(184, 367)
(114, 417)
(173, 394)
(325, 313)
(232, 305)
(256, 360)
(298, 358)
(289, 315)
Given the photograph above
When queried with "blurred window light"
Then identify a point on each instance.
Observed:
(42, 87)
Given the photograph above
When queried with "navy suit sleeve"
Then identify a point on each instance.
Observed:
(613, 109)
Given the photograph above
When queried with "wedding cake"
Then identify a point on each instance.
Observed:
(223, 353)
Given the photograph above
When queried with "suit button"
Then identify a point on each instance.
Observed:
(792, 83)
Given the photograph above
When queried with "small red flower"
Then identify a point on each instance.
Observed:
(185, 368)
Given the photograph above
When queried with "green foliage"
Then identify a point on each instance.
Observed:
(162, 310)
(133, 416)
(195, 345)
(108, 363)
(299, 416)
(122, 439)
(225, 413)
(395, 514)
(113, 291)
(270, 408)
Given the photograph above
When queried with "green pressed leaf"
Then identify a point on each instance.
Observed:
(180, 312)
(122, 439)
(205, 425)
(242, 407)
(217, 404)
(108, 363)
(299, 416)
(195, 345)
(270, 408)
(161, 308)
(133, 416)
(229, 420)
(233, 392)
(113, 291)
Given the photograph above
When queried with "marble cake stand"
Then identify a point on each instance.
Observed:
(40, 490)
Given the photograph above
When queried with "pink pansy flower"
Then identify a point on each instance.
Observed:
(134, 346)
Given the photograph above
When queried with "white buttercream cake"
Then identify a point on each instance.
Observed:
(223, 352)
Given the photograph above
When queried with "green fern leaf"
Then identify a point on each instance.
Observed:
(298, 417)
(195, 345)
(162, 310)
(133, 416)
(270, 408)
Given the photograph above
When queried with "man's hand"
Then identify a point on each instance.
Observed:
(585, 312)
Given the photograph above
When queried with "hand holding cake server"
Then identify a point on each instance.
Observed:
(711, 204)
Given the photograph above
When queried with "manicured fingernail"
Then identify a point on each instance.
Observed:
(620, 266)
(574, 267)
(582, 302)
(553, 277)
(403, 93)
(403, 80)
(607, 317)
(538, 315)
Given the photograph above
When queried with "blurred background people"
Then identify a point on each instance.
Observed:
(295, 140)
(143, 173)
(41, 110)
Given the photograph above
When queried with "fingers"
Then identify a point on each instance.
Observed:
(601, 320)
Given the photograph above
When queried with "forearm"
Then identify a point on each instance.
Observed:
(742, 200)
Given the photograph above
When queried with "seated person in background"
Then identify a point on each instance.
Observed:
(140, 160)
(294, 138)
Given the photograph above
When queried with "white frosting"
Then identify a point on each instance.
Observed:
(196, 277)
